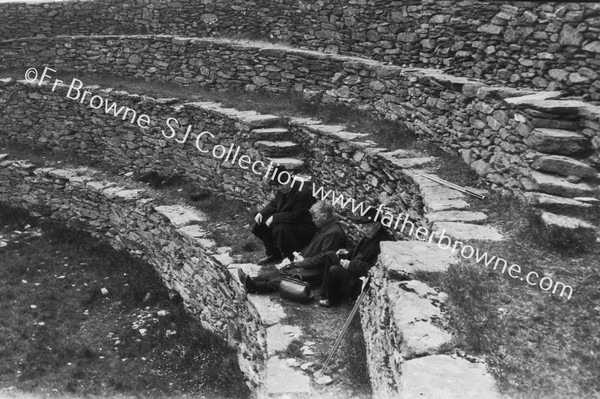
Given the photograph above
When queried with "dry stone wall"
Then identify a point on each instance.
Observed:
(539, 45)
(169, 237)
(490, 125)
(335, 159)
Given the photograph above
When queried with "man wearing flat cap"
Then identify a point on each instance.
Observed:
(343, 271)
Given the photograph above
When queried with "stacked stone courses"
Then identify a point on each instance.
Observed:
(35, 115)
(496, 128)
(168, 237)
(521, 44)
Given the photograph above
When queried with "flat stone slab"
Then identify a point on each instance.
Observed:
(100, 185)
(552, 184)
(407, 257)
(270, 312)
(556, 141)
(409, 307)
(280, 336)
(348, 136)
(180, 216)
(437, 198)
(276, 144)
(193, 231)
(80, 180)
(533, 98)
(456, 216)
(435, 205)
(129, 195)
(565, 222)
(111, 191)
(288, 163)
(439, 192)
(565, 166)
(260, 120)
(282, 379)
(422, 338)
(553, 202)
(468, 232)
(65, 174)
(406, 163)
(444, 377)
(223, 258)
(327, 130)
(418, 287)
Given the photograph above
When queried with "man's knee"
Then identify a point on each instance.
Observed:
(336, 271)
(331, 259)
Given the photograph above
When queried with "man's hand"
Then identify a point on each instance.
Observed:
(269, 221)
(298, 257)
(345, 263)
(258, 218)
(283, 265)
(341, 253)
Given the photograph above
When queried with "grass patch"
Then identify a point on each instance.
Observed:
(451, 166)
(538, 345)
(82, 319)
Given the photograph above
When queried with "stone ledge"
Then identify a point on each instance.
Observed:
(180, 216)
(442, 376)
(468, 232)
(401, 258)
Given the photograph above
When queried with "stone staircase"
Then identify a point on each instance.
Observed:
(276, 145)
(564, 181)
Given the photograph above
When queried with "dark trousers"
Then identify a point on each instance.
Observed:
(282, 239)
(338, 283)
(268, 282)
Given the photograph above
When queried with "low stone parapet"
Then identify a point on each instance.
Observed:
(167, 236)
(403, 324)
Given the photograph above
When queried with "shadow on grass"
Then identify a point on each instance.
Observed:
(84, 319)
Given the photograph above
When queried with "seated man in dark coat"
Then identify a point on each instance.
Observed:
(310, 263)
(342, 277)
(285, 224)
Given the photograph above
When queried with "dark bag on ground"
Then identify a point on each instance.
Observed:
(296, 290)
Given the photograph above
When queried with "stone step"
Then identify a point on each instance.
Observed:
(568, 223)
(565, 166)
(557, 141)
(288, 163)
(555, 203)
(277, 148)
(554, 123)
(261, 121)
(456, 216)
(551, 184)
(442, 376)
(468, 232)
(270, 133)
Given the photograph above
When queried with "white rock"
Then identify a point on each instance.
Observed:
(324, 380)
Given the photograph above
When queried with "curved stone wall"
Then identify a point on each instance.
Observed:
(490, 125)
(169, 237)
(336, 160)
(527, 44)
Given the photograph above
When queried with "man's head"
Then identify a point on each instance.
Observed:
(368, 224)
(282, 180)
(321, 212)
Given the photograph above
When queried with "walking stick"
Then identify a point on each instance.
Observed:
(365, 282)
